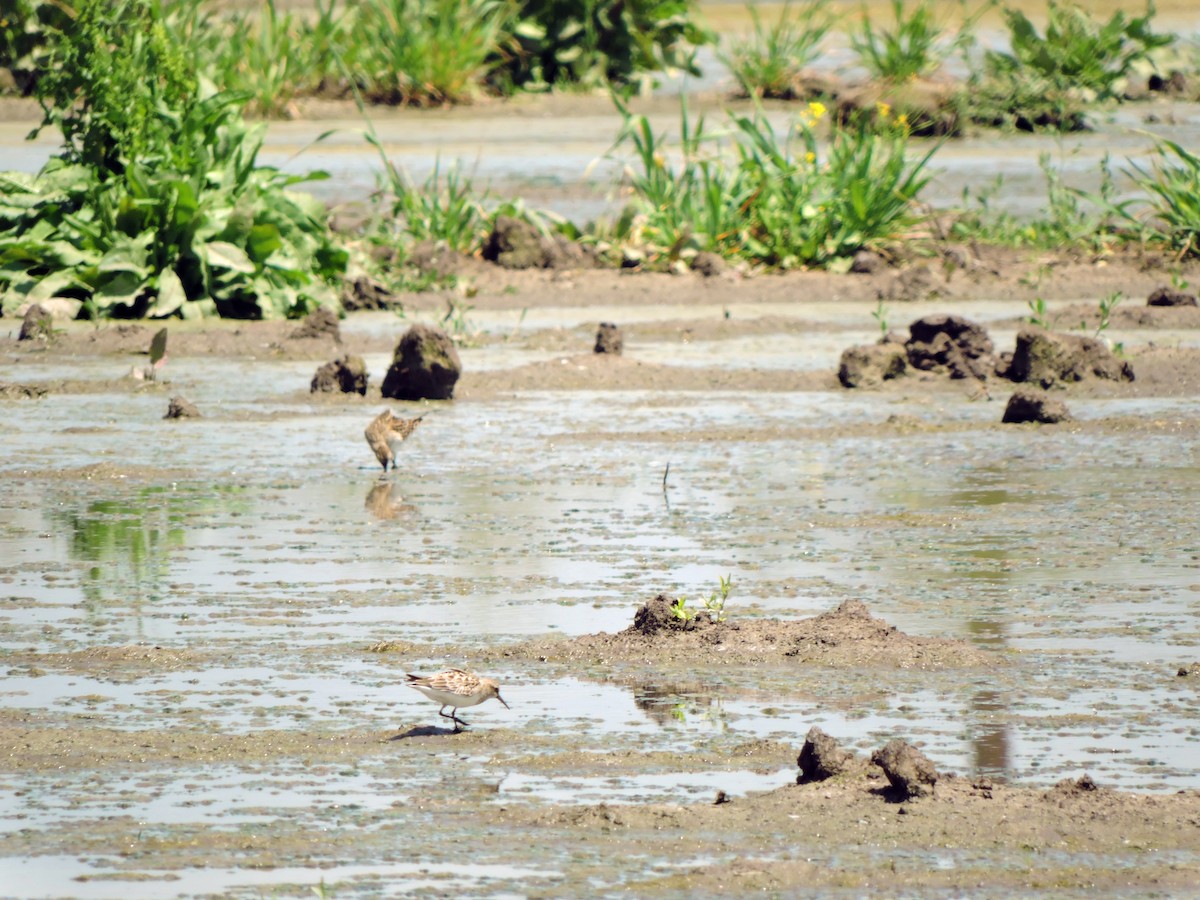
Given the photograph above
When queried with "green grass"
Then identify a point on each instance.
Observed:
(1170, 213)
(913, 46)
(770, 63)
(750, 194)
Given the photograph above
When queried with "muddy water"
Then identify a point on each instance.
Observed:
(264, 748)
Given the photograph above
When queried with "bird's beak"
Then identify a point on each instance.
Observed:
(501, 699)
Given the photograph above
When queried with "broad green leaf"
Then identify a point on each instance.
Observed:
(171, 296)
(122, 289)
(223, 255)
(52, 285)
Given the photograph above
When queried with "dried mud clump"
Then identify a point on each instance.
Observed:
(909, 771)
(950, 344)
(912, 285)
(364, 292)
(1030, 405)
(321, 322)
(1045, 359)
(347, 374)
(1067, 789)
(514, 244)
(609, 339)
(425, 366)
(180, 408)
(1167, 296)
(869, 365)
(708, 264)
(821, 758)
(38, 324)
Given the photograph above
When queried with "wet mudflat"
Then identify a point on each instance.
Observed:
(204, 624)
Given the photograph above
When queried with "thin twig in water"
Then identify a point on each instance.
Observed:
(666, 472)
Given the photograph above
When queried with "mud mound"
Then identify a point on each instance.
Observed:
(846, 637)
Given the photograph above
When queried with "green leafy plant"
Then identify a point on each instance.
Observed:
(770, 63)
(1071, 216)
(27, 29)
(1171, 215)
(1038, 314)
(680, 610)
(424, 52)
(714, 605)
(1076, 51)
(783, 202)
(275, 57)
(1108, 303)
(1045, 81)
(595, 43)
(156, 204)
(913, 46)
(880, 315)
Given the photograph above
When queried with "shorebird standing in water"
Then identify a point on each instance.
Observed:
(456, 689)
(386, 433)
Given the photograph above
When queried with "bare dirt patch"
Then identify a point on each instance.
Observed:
(848, 636)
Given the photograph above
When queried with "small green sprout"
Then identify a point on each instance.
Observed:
(1038, 313)
(714, 605)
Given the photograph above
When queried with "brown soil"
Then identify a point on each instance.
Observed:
(846, 636)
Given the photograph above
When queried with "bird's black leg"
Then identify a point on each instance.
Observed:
(458, 723)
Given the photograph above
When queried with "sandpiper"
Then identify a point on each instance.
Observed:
(385, 434)
(456, 689)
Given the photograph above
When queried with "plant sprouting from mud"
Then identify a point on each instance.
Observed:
(913, 45)
(748, 193)
(714, 605)
(1038, 314)
(1108, 305)
(880, 315)
(770, 64)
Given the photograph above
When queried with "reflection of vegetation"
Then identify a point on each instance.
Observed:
(666, 703)
(128, 540)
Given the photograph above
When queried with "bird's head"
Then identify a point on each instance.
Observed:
(493, 690)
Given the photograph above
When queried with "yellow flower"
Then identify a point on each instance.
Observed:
(883, 110)
(902, 121)
(817, 109)
(810, 157)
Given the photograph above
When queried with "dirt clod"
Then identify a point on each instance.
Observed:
(951, 344)
(321, 322)
(425, 366)
(38, 324)
(908, 769)
(1168, 296)
(1045, 359)
(609, 339)
(180, 408)
(868, 365)
(821, 757)
(1031, 405)
(347, 374)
